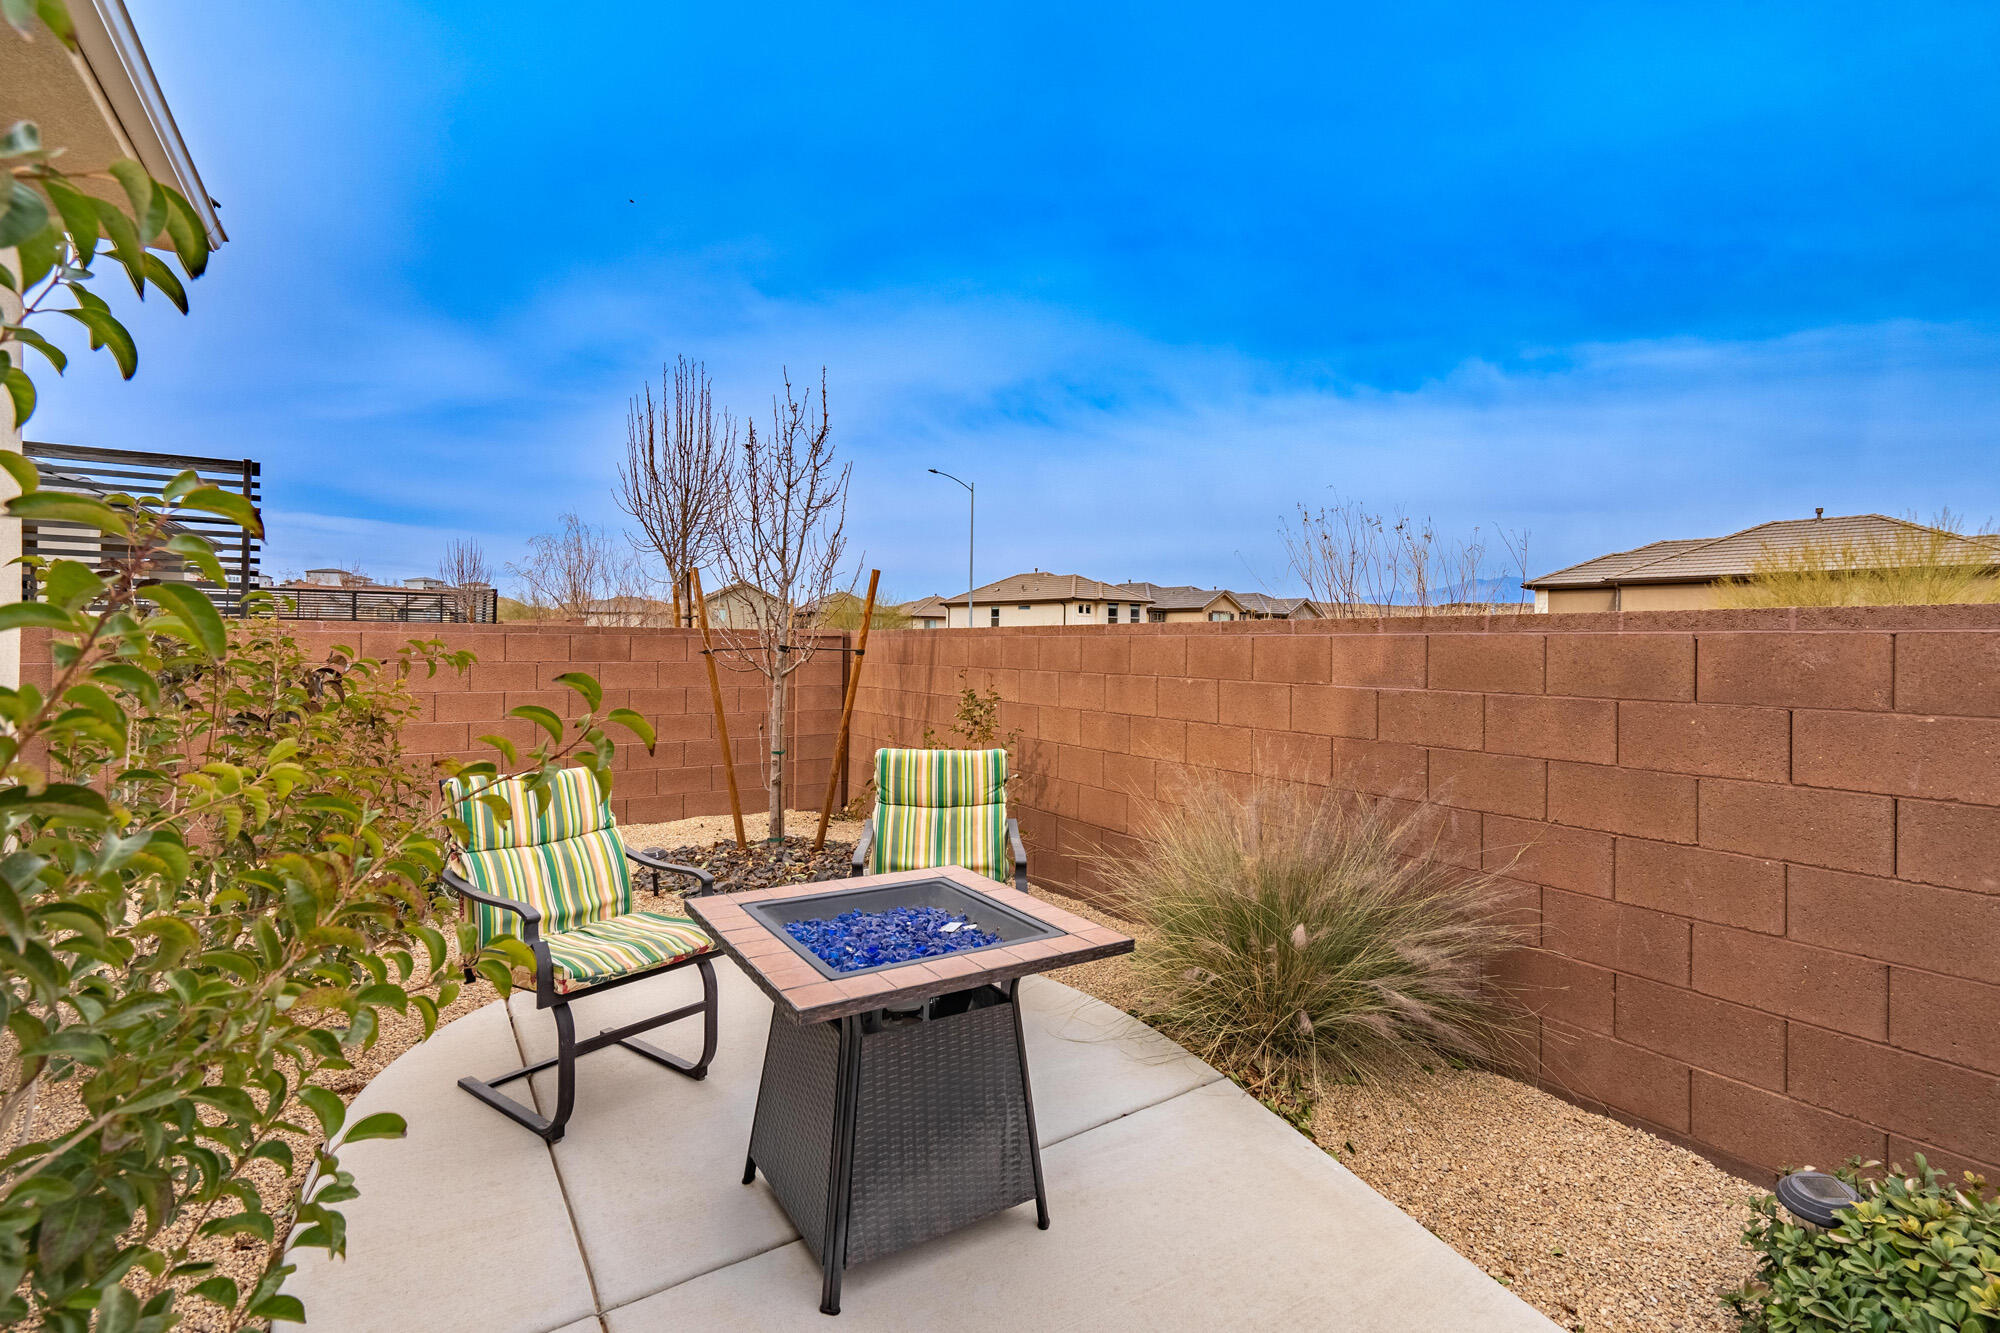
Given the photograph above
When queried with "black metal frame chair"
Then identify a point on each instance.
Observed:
(865, 843)
(568, 1048)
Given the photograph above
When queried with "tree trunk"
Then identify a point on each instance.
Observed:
(679, 582)
(777, 756)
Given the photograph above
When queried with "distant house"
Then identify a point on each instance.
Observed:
(925, 613)
(1168, 605)
(638, 612)
(1684, 573)
(739, 606)
(1260, 606)
(1048, 599)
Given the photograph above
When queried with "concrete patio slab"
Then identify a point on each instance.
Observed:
(1202, 1212)
(1177, 1201)
(462, 1223)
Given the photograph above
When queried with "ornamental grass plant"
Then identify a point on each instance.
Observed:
(1298, 940)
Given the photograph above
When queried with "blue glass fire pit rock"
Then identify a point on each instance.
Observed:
(856, 940)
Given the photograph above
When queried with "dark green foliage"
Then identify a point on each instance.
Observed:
(1918, 1254)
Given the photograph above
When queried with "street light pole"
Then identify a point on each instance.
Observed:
(971, 518)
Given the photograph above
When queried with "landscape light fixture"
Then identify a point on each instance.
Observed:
(1816, 1198)
(971, 506)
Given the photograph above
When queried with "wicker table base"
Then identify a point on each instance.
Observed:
(880, 1130)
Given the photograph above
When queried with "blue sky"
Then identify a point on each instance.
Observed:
(1151, 274)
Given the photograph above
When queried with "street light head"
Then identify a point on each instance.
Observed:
(934, 472)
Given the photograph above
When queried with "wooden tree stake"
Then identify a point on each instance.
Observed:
(715, 693)
(847, 712)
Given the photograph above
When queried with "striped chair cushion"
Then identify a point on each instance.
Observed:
(572, 882)
(941, 808)
(621, 945)
(575, 807)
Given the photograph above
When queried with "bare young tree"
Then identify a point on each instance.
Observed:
(784, 538)
(674, 481)
(469, 573)
(1361, 563)
(567, 572)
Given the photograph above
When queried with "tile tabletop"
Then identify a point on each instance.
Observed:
(798, 989)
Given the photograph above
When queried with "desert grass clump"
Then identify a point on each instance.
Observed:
(1909, 564)
(1296, 940)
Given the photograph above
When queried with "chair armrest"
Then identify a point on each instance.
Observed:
(863, 844)
(1020, 854)
(531, 916)
(653, 860)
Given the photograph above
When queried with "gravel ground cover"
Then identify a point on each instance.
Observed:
(1602, 1227)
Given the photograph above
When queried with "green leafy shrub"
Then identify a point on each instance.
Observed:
(1297, 939)
(975, 723)
(218, 873)
(1916, 1255)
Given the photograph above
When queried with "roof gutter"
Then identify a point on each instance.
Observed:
(115, 60)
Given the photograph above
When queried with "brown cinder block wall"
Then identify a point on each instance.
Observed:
(657, 672)
(1762, 848)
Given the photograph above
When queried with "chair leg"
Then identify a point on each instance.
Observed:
(549, 1128)
(699, 1068)
(568, 1049)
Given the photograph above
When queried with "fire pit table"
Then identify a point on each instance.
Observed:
(894, 1105)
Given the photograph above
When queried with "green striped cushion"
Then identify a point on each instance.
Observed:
(621, 945)
(573, 881)
(941, 777)
(941, 808)
(575, 807)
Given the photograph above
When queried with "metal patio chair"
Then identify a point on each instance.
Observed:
(941, 808)
(558, 879)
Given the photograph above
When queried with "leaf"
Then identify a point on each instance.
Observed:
(21, 390)
(126, 243)
(381, 1125)
(38, 615)
(326, 1106)
(584, 684)
(194, 610)
(118, 1311)
(52, 353)
(185, 230)
(22, 469)
(163, 277)
(280, 1306)
(234, 507)
(635, 724)
(23, 212)
(106, 331)
(61, 507)
(218, 1290)
(542, 718)
(71, 584)
(505, 747)
(149, 206)
(195, 549)
(130, 679)
(58, 798)
(55, 13)
(79, 217)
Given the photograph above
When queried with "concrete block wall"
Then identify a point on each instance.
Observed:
(658, 672)
(1761, 849)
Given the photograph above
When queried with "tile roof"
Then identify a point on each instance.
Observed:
(1184, 597)
(1689, 560)
(931, 607)
(1262, 604)
(1040, 587)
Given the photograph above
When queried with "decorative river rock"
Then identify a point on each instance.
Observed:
(854, 940)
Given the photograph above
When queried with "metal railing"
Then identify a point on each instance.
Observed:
(479, 606)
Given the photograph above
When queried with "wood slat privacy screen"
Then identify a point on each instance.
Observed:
(93, 471)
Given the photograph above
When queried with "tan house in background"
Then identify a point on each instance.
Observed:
(1170, 605)
(739, 606)
(1684, 574)
(925, 613)
(1259, 606)
(1048, 599)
